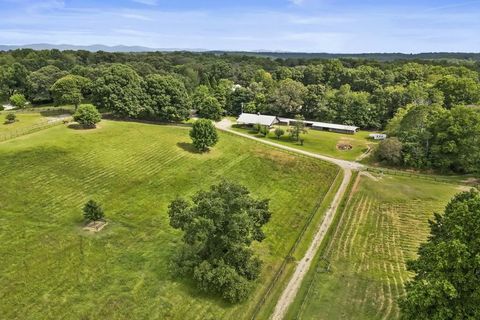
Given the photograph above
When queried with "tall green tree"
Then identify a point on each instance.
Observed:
(288, 98)
(69, 90)
(298, 128)
(446, 284)
(456, 141)
(459, 91)
(204, 134)
(40, 82)
(120, 90)
(167, 97)
(219, 227)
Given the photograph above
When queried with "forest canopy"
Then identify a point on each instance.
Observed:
(424, 104)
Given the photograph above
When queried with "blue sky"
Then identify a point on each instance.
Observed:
(288, 25)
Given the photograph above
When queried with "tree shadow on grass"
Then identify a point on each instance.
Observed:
(76, 126)
(188, 147)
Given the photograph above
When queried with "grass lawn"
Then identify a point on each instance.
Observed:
(323, 142)
(53, 269)
(24, 120)
(380, 229)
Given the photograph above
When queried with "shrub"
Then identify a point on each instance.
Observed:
(18, 100)
(87, 116)
(203, 134)
(11, 117)
(279, 132)
(92, 211)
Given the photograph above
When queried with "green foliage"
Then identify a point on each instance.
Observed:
(18, 100)
(69, 89)
(432, 136)
(13, 78)
(446, 283)
(119, 89)
(210, 108)
(167, 97)
(93, 211)
(288, 98)
(279, 132)
(87, 115)
(203, 134)
(390, 151)
(219, 228)
(459, 90)
(264, 130)
(298, 128)
(10, 117)
(40, 82)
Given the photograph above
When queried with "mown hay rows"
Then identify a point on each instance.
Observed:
(376, 235)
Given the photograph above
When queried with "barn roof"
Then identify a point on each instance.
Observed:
(324, 125)
(251, 118)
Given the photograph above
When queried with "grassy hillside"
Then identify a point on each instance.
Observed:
(51, 268)
(360, 272)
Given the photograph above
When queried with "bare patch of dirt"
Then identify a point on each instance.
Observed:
(472, 181)
(344, 146)
(95, 226)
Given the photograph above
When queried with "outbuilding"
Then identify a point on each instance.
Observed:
(253, 119)
(378, 136)
(332, 127)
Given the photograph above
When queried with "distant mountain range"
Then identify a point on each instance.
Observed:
(261, 53)
(93, 48)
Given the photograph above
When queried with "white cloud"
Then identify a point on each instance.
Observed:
(297, 2)
(147, 2)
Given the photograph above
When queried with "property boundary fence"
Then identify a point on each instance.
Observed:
(288, 258)
(31, 129)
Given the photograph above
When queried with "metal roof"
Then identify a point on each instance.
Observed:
(251, 118)
(324, 125)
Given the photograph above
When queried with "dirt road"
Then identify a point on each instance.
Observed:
(291, 290)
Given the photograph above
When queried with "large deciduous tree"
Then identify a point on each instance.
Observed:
(120, 90)
(167, 97)
(458, 90)
(40, 82)
(288, 98)
(69, 90)
(446, 284)
(219, 226)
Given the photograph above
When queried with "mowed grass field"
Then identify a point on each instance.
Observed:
(24, 120)
(323, 142)
(380, 229)
(52, 269)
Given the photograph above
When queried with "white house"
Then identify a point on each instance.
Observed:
(252, 119)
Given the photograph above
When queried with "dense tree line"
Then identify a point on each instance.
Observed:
(366, 93)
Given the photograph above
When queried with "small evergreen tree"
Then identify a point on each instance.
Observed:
(203, 134)
(93, 211)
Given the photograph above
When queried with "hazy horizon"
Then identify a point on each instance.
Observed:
(316, 26)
